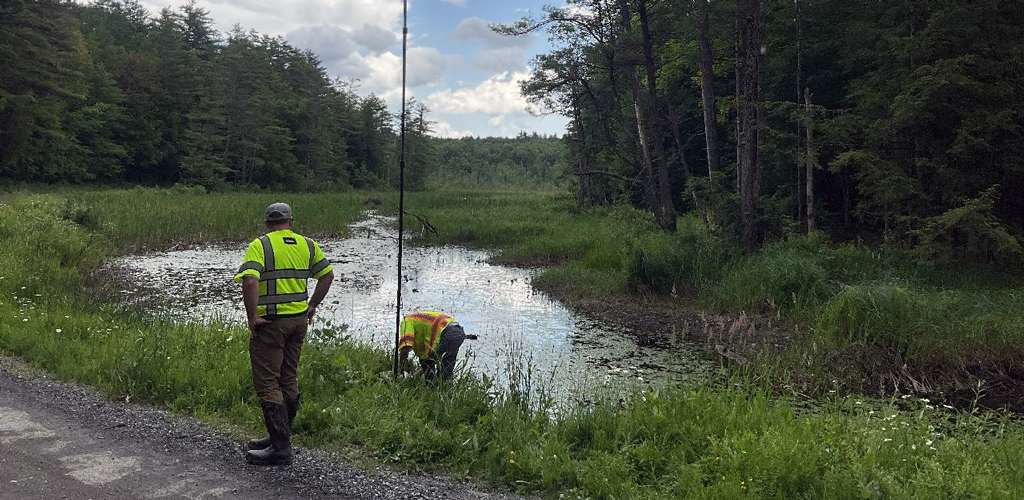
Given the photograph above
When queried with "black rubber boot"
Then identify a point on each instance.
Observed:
(293, 409)
(280, 450)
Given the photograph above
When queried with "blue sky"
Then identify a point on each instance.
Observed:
(467, 75)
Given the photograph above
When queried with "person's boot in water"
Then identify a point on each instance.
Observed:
(275, 416)
(293, 409)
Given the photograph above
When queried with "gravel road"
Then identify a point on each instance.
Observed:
(58, 440)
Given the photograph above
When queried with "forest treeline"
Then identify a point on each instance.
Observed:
(525, 161)
(110, 93)
(895, 120)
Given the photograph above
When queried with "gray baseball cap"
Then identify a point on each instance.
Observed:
(279, 212)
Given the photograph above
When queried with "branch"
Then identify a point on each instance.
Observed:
(610, 174)
(427, 226)
(527, 26)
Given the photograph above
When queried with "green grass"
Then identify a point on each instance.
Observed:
(699, 442)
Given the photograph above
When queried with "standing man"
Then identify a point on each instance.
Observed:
(435, 338)
(273, 276)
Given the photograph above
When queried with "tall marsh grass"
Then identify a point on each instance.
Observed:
(135, 219)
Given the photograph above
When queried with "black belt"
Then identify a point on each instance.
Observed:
(273, 317)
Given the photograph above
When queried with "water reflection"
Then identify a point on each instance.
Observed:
(522, 332)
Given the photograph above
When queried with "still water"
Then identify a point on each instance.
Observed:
(522, 332)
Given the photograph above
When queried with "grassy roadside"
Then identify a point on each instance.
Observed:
(699, 442)
(876, 308)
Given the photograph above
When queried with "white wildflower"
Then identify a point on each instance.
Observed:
(58, 330)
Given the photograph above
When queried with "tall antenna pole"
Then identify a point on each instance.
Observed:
(401, 186)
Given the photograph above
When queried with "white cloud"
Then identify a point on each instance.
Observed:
(477, 30)
(501, 59)
(460, 3)
(375, 38)
(329, 42)
(382, 73)
(498, 95)
(445, 130)
(500, 53)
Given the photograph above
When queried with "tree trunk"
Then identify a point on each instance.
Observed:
(812, 221)
(846, 200)
(752, 119)
(708, 91)
(582, 168)
(799, 98)
(653, 199)
(680, 150)
(664, 181)
(737, 56)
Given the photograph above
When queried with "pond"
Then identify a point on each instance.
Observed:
(527, 340)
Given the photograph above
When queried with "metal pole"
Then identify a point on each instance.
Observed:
(401, 186)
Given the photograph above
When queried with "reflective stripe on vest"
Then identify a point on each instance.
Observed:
(268, 266)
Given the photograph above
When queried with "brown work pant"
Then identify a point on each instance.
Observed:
(274, 351)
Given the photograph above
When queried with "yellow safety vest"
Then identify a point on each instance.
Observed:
(421, 330)
(283, 261)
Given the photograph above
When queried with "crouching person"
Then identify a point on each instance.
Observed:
(435, 338)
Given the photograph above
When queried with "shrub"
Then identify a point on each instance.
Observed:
(969, 233)
(81, 214)
(789, 276)
(685, 262)
(876, 313)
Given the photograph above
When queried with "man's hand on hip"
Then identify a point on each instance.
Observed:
(256, 323)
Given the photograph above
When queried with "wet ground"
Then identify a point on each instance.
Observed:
(523, 333)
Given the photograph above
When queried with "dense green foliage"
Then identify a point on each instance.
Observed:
(107, 93)
(915, 118)
(681, 442)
